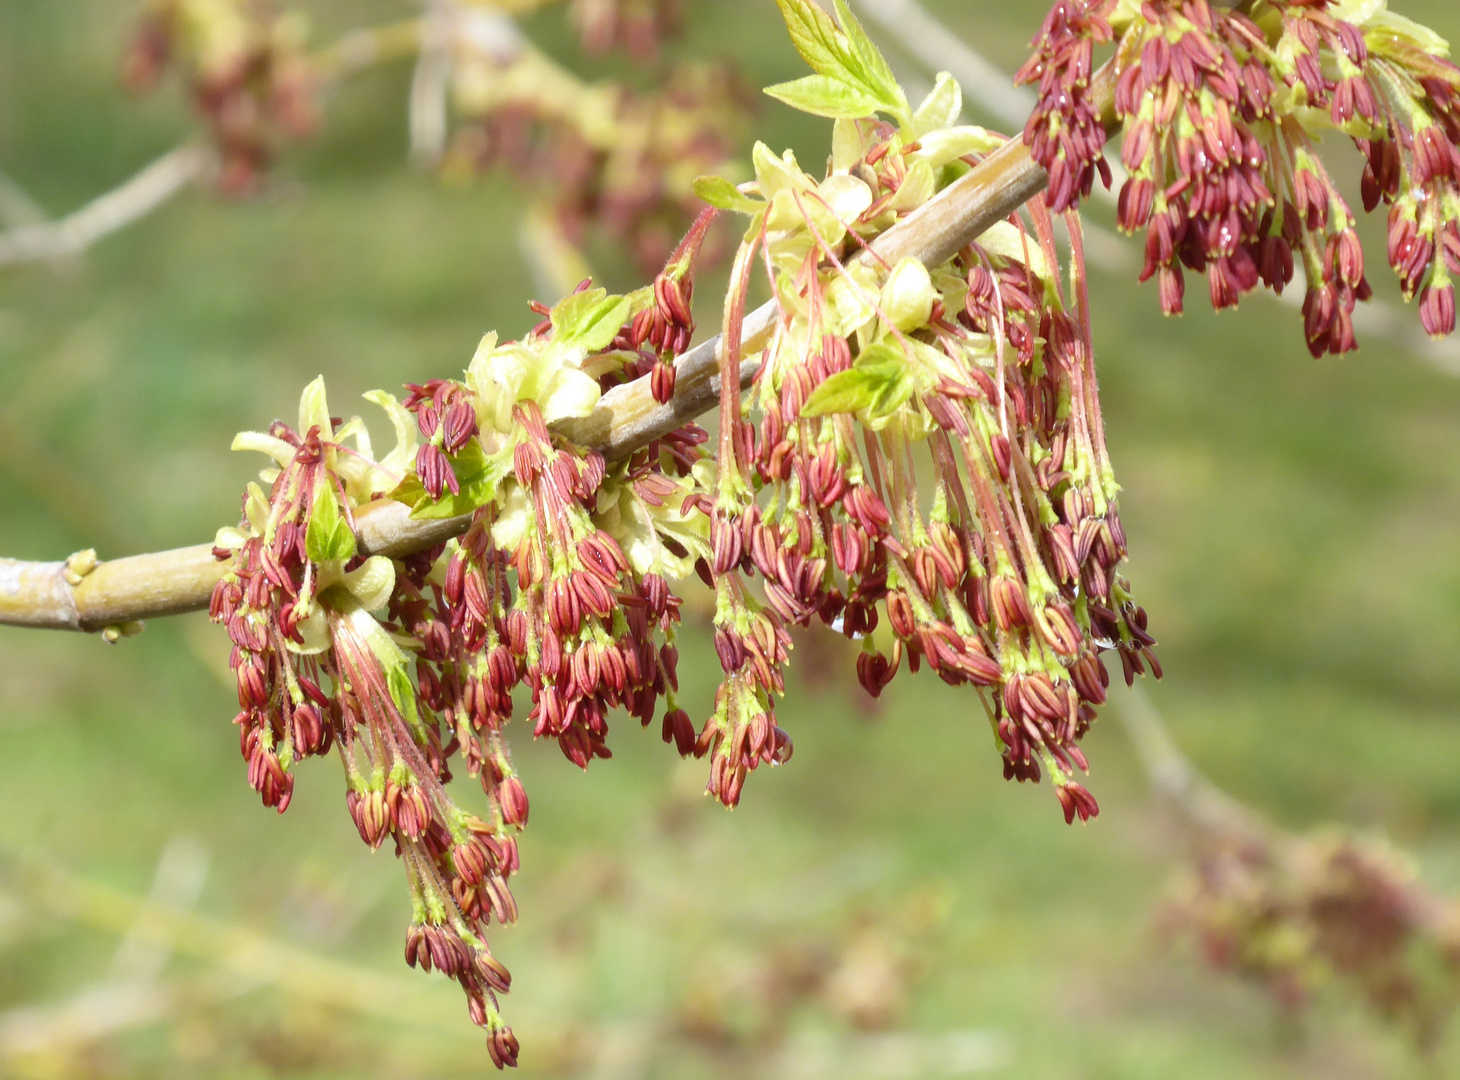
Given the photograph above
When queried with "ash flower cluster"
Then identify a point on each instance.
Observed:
(919, 463)
(1298, 914)
(599, 153)
(635, 25)
(1219, 109)
(246, 69)
(317, 631)
(408, 667)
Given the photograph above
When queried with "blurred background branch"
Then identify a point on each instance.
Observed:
(131, 201)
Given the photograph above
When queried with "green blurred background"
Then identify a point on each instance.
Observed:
(886, 906)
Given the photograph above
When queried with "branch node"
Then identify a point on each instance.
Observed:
(78, 565)
(113, 634)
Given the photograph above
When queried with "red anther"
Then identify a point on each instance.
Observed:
(458, 426)
(512, 800)
(1075, 800)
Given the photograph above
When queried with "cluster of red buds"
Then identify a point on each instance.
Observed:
(637, 26)
(559, 587)
(662, 330)
(1295, 914)
(317, 670)
(1219, 107)
(920, 464)
(284, 714)
(604, 155)
(537, 595)
(246, 69)
(447, 421)
(1066, 132)
(1001, 571)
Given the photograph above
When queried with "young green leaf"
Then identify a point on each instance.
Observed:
(879, 383)
(327, 536)
(722, 194)
(589, 320)
(841, 54)
(872, 67)
(823, 96)
(815, 36)
(403, 694)
(845, 392)
(892, 377)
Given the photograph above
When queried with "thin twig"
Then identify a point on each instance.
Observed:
(130, 995)
(33, 238)
(367, 47)
(430, 83)
(1175, 780)
(177, 883)
(134, 199)
(17, 208)
(241, 956)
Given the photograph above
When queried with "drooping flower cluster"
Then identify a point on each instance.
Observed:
(558, 587)
(928, 451)
(246, 69)
(1296, 914)
(1219, 108)
(319, 667)
(920, 462)
(635, 25)
(600, 153)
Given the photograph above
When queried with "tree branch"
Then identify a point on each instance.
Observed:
(60, 596)
(136, 198)
(39, 239)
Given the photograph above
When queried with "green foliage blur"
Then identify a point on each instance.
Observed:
(885, 906)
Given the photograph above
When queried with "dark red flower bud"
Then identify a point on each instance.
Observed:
(1437, 310)
(502, 1045)
(512, 800)
(458, 426)
(434, 470)
(678, 730)
(492, 971)
(1074, 799)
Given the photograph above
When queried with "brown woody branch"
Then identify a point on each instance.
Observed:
(60, 596)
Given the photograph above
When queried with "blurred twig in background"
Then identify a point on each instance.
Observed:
(19, 211)
(242, 953)
(152, 186)
(1296, 912)
(131, 993)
